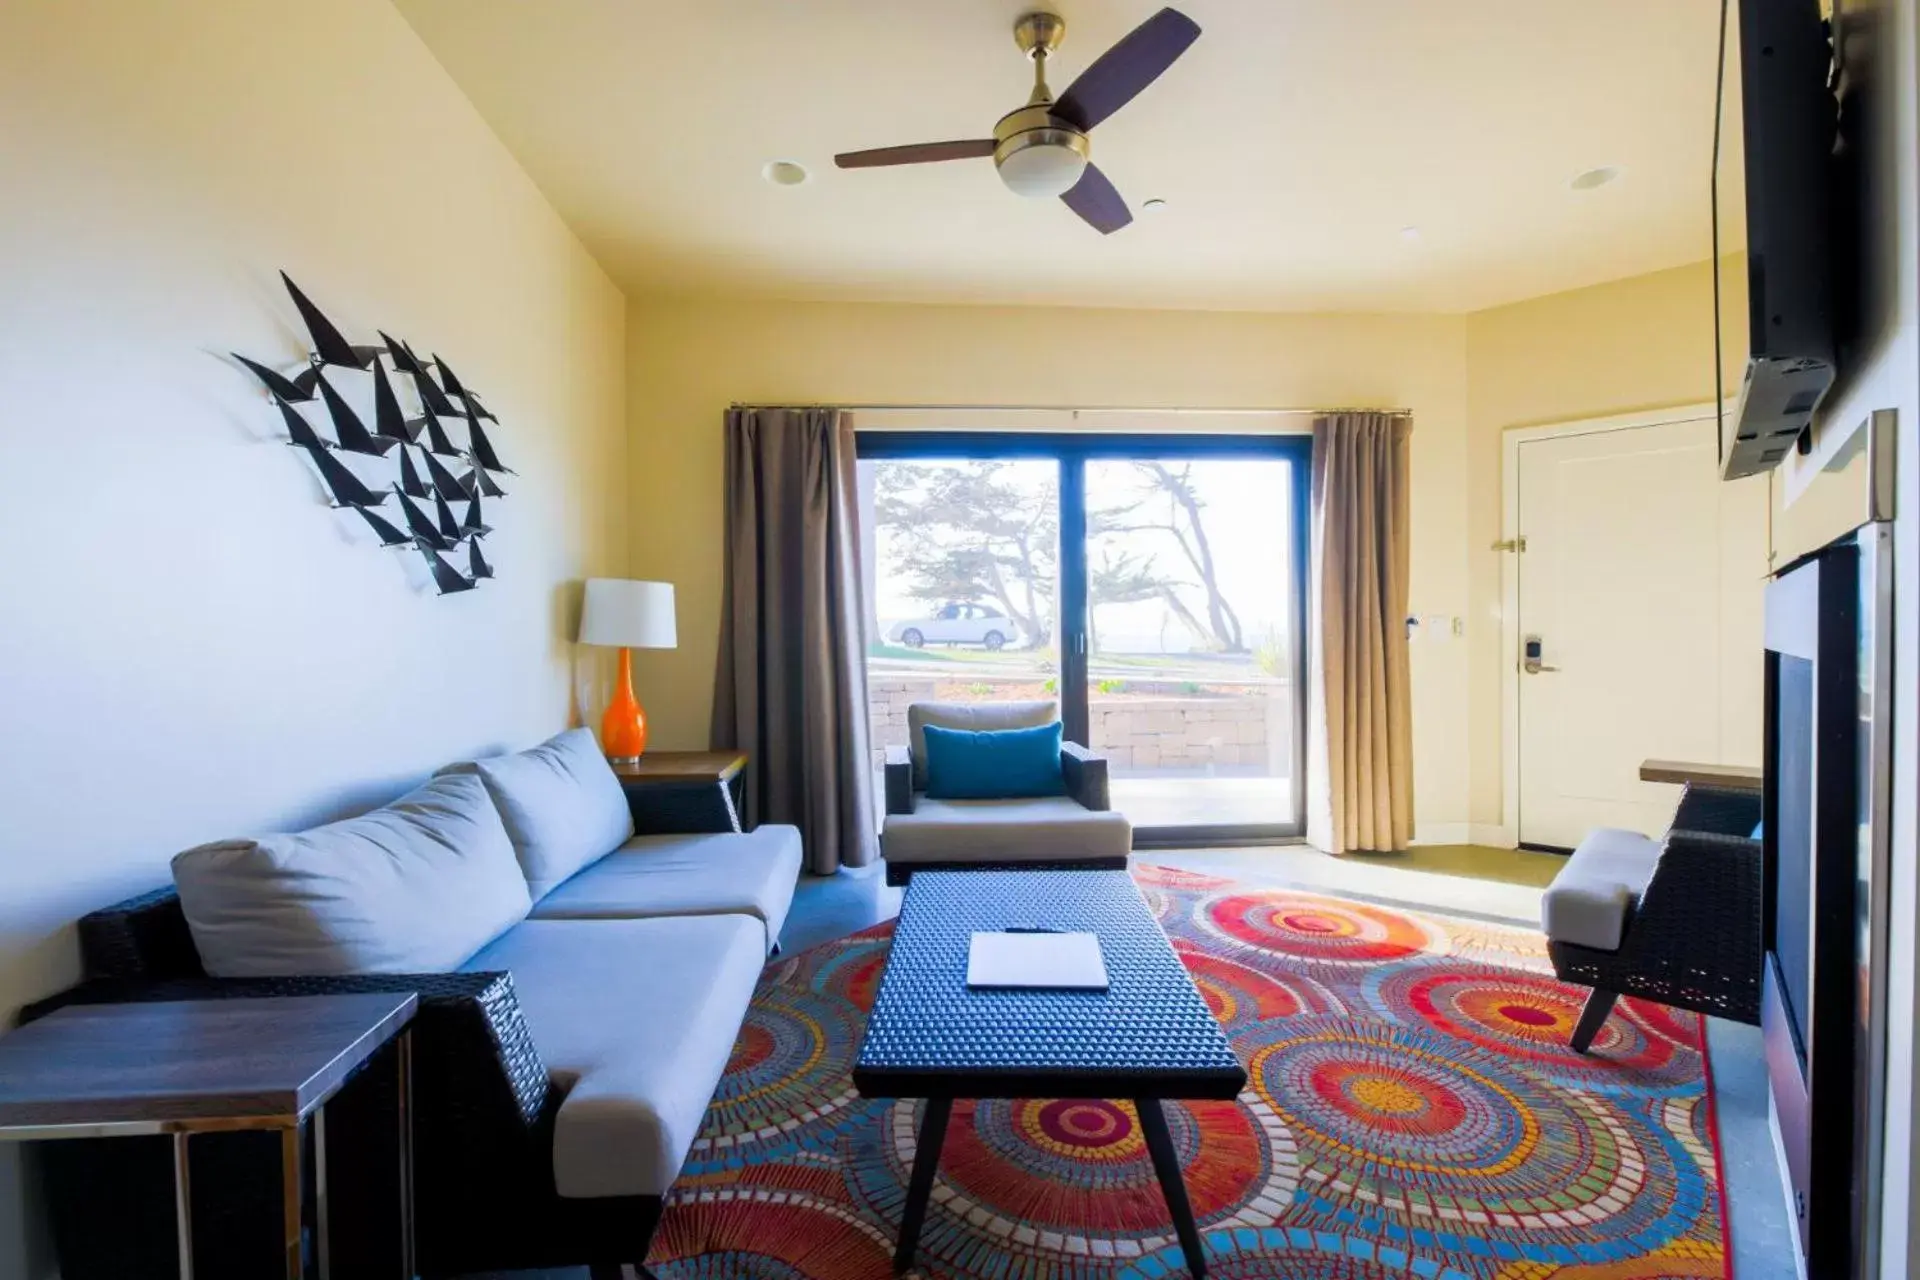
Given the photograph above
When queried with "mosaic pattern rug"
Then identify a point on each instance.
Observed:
(1412, 1111)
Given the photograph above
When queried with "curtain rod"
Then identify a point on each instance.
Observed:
(1078, 409)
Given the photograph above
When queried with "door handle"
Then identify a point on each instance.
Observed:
(1530, 663)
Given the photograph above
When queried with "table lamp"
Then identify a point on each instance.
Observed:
(632, 615)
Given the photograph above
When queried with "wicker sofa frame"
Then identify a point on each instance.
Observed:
(1695, 939)
(484, 1107)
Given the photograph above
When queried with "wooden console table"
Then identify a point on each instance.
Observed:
(204, 1066)
(1724, 777)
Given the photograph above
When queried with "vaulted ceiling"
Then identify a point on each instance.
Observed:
(1294, 145)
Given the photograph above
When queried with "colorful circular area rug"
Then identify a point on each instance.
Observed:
(1412, 1110)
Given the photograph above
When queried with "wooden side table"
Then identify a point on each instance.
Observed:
(203, 1066)
(699, 790)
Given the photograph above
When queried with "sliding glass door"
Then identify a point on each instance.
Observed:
(1154, 585)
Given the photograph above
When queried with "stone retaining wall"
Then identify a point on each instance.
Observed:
(1171, 732)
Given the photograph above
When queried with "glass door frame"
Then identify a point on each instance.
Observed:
(1072, 451)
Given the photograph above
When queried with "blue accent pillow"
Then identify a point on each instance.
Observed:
(994, 764)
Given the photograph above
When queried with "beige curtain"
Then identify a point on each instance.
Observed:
(790, 688)
(1363, 713)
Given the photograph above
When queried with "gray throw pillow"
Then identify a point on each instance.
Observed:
(415, 887)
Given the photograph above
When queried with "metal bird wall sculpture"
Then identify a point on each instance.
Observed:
(370, 375)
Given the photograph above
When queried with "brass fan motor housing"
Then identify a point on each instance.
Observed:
(1040, 32)
(1035, 126)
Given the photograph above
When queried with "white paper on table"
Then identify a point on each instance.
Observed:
(1070, 961)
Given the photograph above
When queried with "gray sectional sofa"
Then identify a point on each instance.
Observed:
(630, 963)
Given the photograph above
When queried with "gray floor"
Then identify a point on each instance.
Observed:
(829, 907)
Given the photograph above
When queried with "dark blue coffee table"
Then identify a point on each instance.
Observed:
(1148, 1036)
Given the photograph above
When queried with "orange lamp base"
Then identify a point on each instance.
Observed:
(623, 729)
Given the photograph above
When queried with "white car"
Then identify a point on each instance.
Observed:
(956, 624)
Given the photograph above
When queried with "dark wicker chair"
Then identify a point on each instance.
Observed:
(484, 1106)
(1694, 941)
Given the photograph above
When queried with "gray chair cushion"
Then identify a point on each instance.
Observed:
(1590, 899)
(970, 715)
(561, 805)
(636, 1020)
(717, 874)
(414, 887)
(1044, 829)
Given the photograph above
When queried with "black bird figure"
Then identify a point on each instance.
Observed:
(328, 344)
(388, 535)
(422, 528)
(299, 430)
(348, 429)
(473, 526)
(347, 489)
(437, 441)
(455, 388)
(443, 481)
(449, 527)
(432, 398)
(478, 481)
(388, 422)
(445, 576)
(410, 482)
(298, 387)
(403, 357)
(483, 448)
(476, 563)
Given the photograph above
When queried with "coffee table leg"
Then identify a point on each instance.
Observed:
(293, 1198)
(183, 1206)
(1153, 1126)
(926, 1160)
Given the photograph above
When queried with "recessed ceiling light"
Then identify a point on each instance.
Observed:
(1409, 233)
(1595, 177)
(784, 173)
(1154, 205)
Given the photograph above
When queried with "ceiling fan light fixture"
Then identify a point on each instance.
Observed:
(1042, 163)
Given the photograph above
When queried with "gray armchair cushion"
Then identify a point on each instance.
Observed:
(636, 1020)
(752, 873)
(1590, 899)
(1045, 829)
(970, 715)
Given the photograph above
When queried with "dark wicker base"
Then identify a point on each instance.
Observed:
(899, 873)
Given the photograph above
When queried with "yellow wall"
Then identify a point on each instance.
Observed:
(689, 360)
(1634, 344)
(1642, 343)
(193, 645)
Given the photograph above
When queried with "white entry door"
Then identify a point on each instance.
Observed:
(1641, 583)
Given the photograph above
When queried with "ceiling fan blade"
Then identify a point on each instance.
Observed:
(1120, 73)
(916, 153)
(1095, 199)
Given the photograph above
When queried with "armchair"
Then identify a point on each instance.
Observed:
(1078, 829)
(1676, 921)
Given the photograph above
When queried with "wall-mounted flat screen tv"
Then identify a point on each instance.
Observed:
(1774, 182)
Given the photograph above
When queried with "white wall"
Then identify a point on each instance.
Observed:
(191, 644)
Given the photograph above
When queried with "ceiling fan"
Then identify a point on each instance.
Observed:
(1042, 149)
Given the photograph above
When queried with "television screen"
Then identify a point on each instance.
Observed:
(1792, 767)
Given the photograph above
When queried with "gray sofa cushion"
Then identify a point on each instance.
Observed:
(1044, 829)
(1590, 899)
(415, 887)
(561, 804)
(636, 1020)
(715, 874)
(970, 715)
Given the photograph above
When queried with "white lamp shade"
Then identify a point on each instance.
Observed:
(621, 611)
